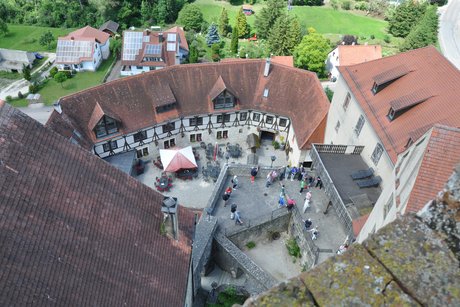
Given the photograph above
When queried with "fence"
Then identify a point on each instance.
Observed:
(248, 223)
(329, 187)
(339, 149)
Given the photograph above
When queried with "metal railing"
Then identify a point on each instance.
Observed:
(339, 149)
(248, 223)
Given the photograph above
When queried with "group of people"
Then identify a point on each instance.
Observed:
(313, 230)
(234, 214)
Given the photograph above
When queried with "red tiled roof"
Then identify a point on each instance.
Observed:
(75, 231)
(133, 99)
(358, 224)
(426, 70)
(283, 60)
(87, 33)
(441, 155)
(355, 54)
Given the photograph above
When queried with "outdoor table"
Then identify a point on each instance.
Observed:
(163, 184)
(186, 174)
(214, 172)
(234, 151)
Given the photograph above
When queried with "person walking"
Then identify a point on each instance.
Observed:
(268, 182)
(302, 186)
(319, 183)
(254, 172)
(225, 197)
(294, 171)
(232, 211)
(306, 204)
(238, 220)
(235, 182)
(287, 172)
(229, 191)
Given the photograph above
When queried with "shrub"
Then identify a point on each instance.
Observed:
(387, 39)
(372, 36)
(346, 5)
(53, 71)
(361, 5)
(250, 245)
(34, 87)
(8, 98)
(276, 145)
(20, 95)
(293, 248)
(329, 93)
(334, 4)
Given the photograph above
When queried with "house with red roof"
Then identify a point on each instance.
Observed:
(148, 50)
(83, 49)
(345, 55)
(404, 112)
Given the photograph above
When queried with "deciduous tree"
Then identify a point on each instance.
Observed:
(266, 18)
(60, 78)
(46, 39)
(285, 35)
(312, 52)
(190, 17)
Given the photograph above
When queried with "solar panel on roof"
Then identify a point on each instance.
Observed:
(172, 37)
(71, 51)
(146, 39)
(171, 47)
(154, 49)
(132, 43)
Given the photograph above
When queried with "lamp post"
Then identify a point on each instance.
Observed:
(227, 156)
(273, 160)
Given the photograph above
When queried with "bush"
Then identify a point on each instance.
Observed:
(293, 248)
(34, 87)
(361, 5)
(250, 245)
(20, 95)
(334, 4)
(8, 98)
(346, 5)
(329, 93)
(276, 145)
(53, 71)
(387, 39)
(372, 36)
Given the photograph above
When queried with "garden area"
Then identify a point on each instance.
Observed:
(27, 38)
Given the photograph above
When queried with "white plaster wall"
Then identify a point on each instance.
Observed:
(135, 71)
(332, 62)
(105, 48)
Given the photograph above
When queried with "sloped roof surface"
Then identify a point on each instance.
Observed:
(441, 156)
(109, 25)
(425, 68)
(75, 231)
(134, 99)
(355, 54)
(283, 60)
(87, 33)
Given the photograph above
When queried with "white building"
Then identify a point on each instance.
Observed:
(83, 49)
(15, 60)
(345, 55)
(147, 50)
(386, 105)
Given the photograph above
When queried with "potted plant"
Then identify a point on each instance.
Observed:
(282, 143)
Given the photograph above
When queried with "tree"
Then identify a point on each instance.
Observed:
(190, 17)
(46, 39)
(115, 46)
(26, 72)
(234, 42)
(242, 24)
(146, 12)
(349, 40)
(312, 52)
(213, 36)
(215, 52)
(267, 17)
(3, 28)
(60, 77)
(193, 54)
(285, 35)
(424, 33)
(329, 93)
(405, 18)
(223, 22)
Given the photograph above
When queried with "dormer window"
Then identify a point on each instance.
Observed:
(391, 114)
(106, 126)
(387, 77)
(165, 107)
(224, 100)
(375, 88)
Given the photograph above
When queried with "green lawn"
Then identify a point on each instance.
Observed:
(27, 37)
(324, 19)
(52, 90)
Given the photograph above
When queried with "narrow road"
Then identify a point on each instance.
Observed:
(449, 31)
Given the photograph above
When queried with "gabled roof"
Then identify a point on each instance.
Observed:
(133, 99)
(219, 87)
(97, 114)
(110, 25)
(410, 100)
(75, 231)
(355, 54)
(283, 60)
(422, 68)
(87, 33)
(441, 155)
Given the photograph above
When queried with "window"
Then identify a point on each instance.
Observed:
(347, 101)
(139, 67)
(375, 88)
(337, 126)
(196, 121)
(142, 152)
(169, 127)
(140, 136)
(222, 134)
(243, 115)
(109, 146)
(283, 122)
(105, 126)
(224, 117)
(266, 93)
(391, 114)
(387, 207)
(256, 117)
(359, 125)
(169, 143)
(165, 108)
(378, 150)
(269, 119)
(225, 100)
(195, 137)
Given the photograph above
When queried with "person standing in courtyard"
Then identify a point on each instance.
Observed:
(302, 186)
(306, 204)
(319, 183)
(235, 182)
(225, 197)
(294, 171)
(287, 172)
(254, 172)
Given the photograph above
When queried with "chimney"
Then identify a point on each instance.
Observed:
(169, 207)
(160, 37)
(57, 107)
(72, 38)
(267, 67)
